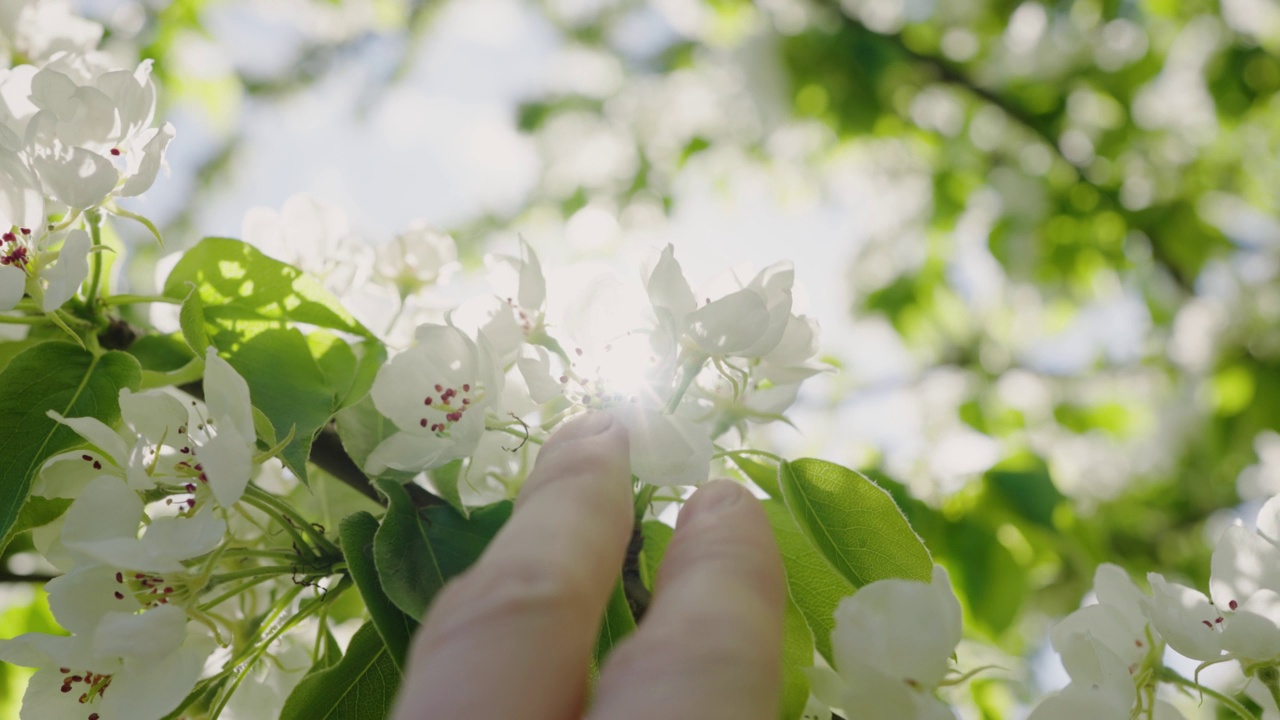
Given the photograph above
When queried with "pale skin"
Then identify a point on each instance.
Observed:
(511, 638)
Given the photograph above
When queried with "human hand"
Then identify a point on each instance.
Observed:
(511, 638)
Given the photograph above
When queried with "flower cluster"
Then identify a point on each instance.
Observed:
(1114, 649)
(678, 382)
(133, 571)
(76, 132)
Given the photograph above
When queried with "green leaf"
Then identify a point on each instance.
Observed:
(657, 536)
(336, 360)
(445, 479)
(38, 512)
(10, 350)
(764, 476)
(236, 282)
(349, 370)
(52, 376)
(161, 353)
(813, 585)
(853, 523)
(356, 534)
(191, 320)
(361, 427)
(189, 373)
(797, 654)
(362, 686)
(616, 625)
(286, 384)
(416, 555)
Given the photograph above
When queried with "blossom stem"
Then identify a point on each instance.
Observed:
(689, 371)
(209, 605)
(748, 451)
(94, 220)
(304, 550)
(322, 543)
(254, 572)
(155, 232)
(253, 654)
(24, 320)
(1170, 676)
(129, 299)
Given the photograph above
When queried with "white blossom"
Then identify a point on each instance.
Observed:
(892, 643)
(437, 393)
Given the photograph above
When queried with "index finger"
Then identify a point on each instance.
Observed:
(710, 645)
(512, 636)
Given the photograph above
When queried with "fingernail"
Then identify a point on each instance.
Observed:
(711, 499)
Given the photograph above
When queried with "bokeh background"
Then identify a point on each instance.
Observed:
(1041, 237)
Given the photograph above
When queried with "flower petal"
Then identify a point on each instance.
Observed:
(63, 279)
(226, 394)
(98, 434)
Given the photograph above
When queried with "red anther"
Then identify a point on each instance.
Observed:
(466, 387)
(1233, 604)
(66, 688)
(1137, 643)
(185, 450)
(119, 595)
(168, 590)
(439, 388)
(97, 465)
(115, 152)
(87, 458)
(64, 671)
(1218, 620)
(138, 576)
(191, 502)
(25, 231)
(564, 378)
(466, 401)
(93, 716)
(9, 237)
(578, 351)
(423, 422)
(120, 577)
(1207, 624)
(427, 401)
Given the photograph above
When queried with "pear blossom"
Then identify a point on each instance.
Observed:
(665, 449)
(519, 315)
(314, 237)
(131, 667)
(747, 323)
(102, 524)
(892, 643)
(90, 136)
(437, 393)
(32, 267)
(164, 443)
(37, 29)
(416, 258)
